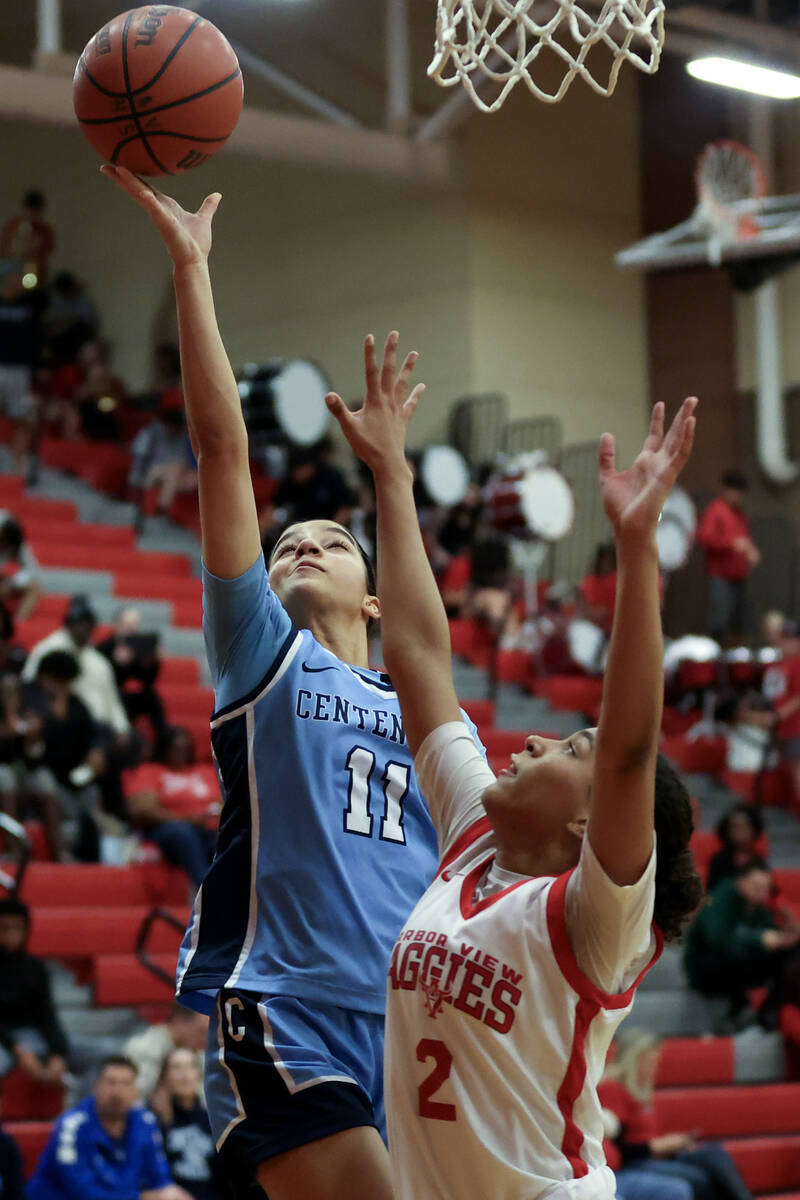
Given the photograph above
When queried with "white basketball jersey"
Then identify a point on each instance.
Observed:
(495, 1042)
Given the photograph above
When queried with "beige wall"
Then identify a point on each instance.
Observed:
(504, 282)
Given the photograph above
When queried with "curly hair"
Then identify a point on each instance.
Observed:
(679, 889)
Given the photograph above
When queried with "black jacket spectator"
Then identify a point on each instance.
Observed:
(12, 1180)
(25, 999)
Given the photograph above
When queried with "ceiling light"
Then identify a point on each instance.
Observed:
(746, 77)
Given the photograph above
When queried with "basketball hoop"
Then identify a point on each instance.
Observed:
(731, 183)
(501, 41)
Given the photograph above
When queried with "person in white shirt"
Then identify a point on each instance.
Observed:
(95, 685)
(519, 962)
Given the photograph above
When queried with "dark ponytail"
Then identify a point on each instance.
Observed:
(679, 889)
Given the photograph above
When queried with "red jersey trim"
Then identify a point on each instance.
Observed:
(464, 841)
(572, 1085)
(565, 957)
(469, 905)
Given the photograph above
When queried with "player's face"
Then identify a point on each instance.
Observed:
(318, 564)
(549, 777)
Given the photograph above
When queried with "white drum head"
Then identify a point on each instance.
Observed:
(547, 503)
(680, 507)
(673, 542)
(300, 389)
(445, 475)
(585, 641)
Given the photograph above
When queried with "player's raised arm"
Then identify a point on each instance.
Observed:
(621, 823)
(231, 539)
(416, 637)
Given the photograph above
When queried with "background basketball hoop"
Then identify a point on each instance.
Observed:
(500, 42)
(731, 183)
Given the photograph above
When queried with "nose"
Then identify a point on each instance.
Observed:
(534, 745)
(307, 545)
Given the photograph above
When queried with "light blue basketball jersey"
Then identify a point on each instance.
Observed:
(325, 843)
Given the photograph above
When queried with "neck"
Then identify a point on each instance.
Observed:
(114, 1126)
(186, 1101)
(347, 641)
(548, 858)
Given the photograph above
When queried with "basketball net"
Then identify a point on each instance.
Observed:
(731, 182)
(503, 42)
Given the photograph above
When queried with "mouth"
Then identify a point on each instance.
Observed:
(306, 564)
(510, 770)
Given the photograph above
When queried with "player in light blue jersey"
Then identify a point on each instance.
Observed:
(325, 843)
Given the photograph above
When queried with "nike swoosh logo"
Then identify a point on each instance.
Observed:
(316, 670)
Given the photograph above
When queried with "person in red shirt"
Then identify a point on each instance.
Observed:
(176, 802)
(598, 589)
(781, 686)
(731, 554)
(649, 1164)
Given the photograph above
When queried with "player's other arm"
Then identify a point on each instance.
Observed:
(231, 539)
(416, 637)
(621, 823)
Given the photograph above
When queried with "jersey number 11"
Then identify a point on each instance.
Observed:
(358, 818)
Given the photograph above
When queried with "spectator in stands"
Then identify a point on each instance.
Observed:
(94, 684)
(70, 319)
(135, 660)
(31, 1037)
(178, 1104)
(101, 395)
(176, 802)
(71, 748)
(106, 1148)
(19, 588)
(731, 554)
(738, 830)
(12, 1178)
(736, 944)
(162, 459)
(20, 354)
(25, 784)
(598, 589)
(312, 489)
(185, 1030)
(652, 1163)
(781, 686)
(27, 241)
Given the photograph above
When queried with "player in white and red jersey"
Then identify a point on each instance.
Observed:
(521, 959)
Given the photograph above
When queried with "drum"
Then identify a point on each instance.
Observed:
(285, 401)
(445, 475)
(676, 530)
(586, 643)
(530, 498)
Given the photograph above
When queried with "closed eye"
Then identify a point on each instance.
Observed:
(340, 545)
(286, 548)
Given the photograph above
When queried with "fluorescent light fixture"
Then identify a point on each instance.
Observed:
(746, 77)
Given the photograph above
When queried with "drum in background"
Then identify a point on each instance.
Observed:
(445, 474)
(285, 401)
(676, 530)
(587, 645)
(529, 497)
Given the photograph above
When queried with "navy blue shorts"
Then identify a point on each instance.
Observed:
(282, 1072)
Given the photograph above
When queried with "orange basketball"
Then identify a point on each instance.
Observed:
(158, 90)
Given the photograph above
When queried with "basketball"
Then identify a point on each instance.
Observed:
(157, 90)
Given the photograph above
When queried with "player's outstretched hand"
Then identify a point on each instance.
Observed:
(377, 431)
(187, 236)
(633, 499)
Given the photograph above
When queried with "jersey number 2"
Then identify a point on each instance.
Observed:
(435, 1110)
(357, 815)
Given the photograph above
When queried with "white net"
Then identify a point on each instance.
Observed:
(495, 44)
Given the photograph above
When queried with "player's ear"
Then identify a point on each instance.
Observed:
(578, 827)
(371, 608)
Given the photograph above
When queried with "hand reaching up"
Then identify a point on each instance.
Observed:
(187, 236)
(377, 431)
(633, 499)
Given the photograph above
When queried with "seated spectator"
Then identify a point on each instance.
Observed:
(162, 459)
(176, 803)
(25, 784)
(101, 395)
(653, 1166)
(781, 686)
(19, 588)
(70, 318)
(738, 830)
(312, 489)
(178, 1104)
(12, 1177)
(27, 240)
(20, 355)
(31, 1037)
(12, 656)
(184, 1030)
(106, 1147)
(71, 748)
(135, 660)
(736, 944)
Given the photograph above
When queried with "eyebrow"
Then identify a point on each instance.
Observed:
(330, 529)
(585, 733)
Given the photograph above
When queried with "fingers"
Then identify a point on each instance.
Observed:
(338, 409)
(401, 386)
(410, 406)
(675, 434)
(209, 206)
(130, 183)
(607, 455)
(370, 366)
(655, 434)
(389, 362)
